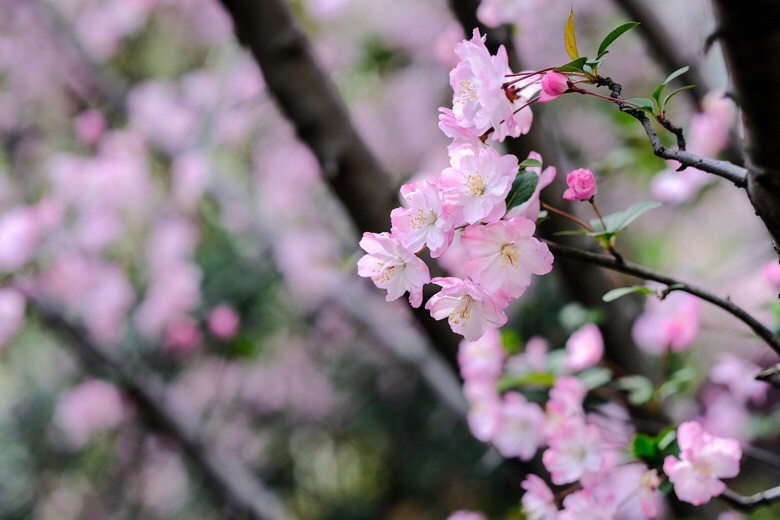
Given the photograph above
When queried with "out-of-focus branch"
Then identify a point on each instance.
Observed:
(661, 44)
(749, 34)
(232, 480)
(267, 29)
(648, 274)
(749, 503)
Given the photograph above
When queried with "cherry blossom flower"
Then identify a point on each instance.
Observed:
(224, 321)
(504, 255)
(89, 408)
(425, 222)
(466, 515)
(477, 183)
(520, 430)
(584, 348)
(538, 500)
(582, 185)
(704, 460)
(393, 267)
(484, 414)
(554, 84)
(573, 451)
(583, 505)
(467, 306)
(482, 358)
(739, 375)
(669, 323)
(771, 272)
(532, 206)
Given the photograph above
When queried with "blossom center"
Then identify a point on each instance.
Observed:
(467, 93)
(422, 219)
(463, 311)
(475, 184)
(509, 255)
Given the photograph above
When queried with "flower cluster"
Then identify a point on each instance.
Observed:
(470, 199)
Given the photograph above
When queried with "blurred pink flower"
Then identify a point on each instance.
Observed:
(466, 515)
(771, 272)
(739, 375)
(671, 323)
(538, 500)
(91, 407)
(89, 126)
(520, 431)
(574, 451)
(12, 305)
(224, 321)
(584, 348)
(182, 335)
(704, 460)
(482, 358)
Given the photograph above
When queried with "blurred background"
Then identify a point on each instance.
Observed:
(155, 201)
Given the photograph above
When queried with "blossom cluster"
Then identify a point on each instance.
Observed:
(469, 199)
(584, 444)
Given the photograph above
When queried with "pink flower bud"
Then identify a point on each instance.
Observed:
(582, 185)
(554, 84)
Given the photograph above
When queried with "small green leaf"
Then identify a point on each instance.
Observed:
(573, 66)
(675, 74)
(530, 163)
(665, 487)
(657, 93)
(522, 188)
(595, 377)
(569, 38)
(532, 379)
(614, 35)
(667, 98)
(666, 437)
(644, 447)
(614, 294)
(617, 222)
(639, 388)
(644, 104)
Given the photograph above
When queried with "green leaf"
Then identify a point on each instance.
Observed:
(614, 294)
(667, 98)
(639, 388)
(569, 38)
(614, 35)
(530, 163)
(617, 222)
(675, 74)
(576, 65)
(667, 437)
(644, 104)
(595, 377)
(665, 487)
(532, 379)
(522, 188)
(657, 93)
(644, 447)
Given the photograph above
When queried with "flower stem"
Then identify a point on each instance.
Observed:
(568, 216)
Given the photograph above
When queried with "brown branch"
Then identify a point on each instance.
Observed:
(230, 477)
(649, 274)
(751, 502)
(729, 171)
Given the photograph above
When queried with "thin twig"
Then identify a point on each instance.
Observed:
(232, 479)
(725, 169)
(648, 274)
(748, 503)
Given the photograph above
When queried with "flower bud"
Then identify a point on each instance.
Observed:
(582, 185)
(554, 84)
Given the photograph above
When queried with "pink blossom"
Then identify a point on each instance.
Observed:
(538, 500)
(584, 348)
(498, 12)
(532, 359)
(582, 185)
(504, 255)
(565, 403)
(467, 306)
(393, 267)
(583, 505)
(482, 358)
(648, 493)
(466, 515)
(92, 407)
(669, 323)
(21, 232)
(704, 460)
(573, 451)
(12, 305)
(739, 375)
(182, 335)
(89, 126)
(554, 84)
(479, 102)
(531, 207)
(477, 183)
(520, 431)
(425, 222)
(224, 321)
(771, 272)
(484, 414)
